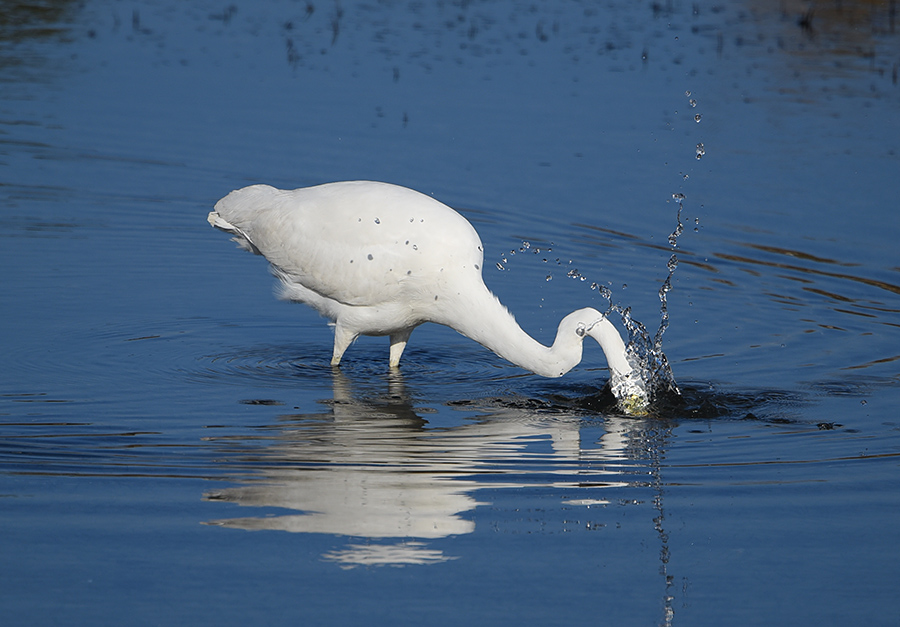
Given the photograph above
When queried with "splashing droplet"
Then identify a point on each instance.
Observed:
(701, 150)
(679, 228)
(650, 377)
(672, 263)
(500, 266)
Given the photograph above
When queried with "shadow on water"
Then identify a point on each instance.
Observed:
(696, 401)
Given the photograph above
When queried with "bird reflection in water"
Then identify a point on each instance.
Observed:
(375, 469)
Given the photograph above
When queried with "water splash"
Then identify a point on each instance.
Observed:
(525, 247)
(679, 228)
(650, 380)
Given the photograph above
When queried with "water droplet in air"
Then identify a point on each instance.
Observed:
(692, 102)
(697, 118)
(377, 221)
(687, 93)
(679, 228)
(500, 266)
(549, 277)
(700, 150)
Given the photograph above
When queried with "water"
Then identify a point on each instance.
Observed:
(174, 448)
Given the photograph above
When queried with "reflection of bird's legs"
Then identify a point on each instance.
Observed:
(398, 344)
(342, 339)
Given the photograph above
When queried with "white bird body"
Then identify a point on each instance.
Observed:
(379, 259)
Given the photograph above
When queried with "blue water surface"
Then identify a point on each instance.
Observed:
(175, 448)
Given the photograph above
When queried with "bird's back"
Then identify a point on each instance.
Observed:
(358, 243)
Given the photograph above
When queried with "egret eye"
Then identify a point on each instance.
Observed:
(580, 330)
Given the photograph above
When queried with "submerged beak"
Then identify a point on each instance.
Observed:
(627, 386)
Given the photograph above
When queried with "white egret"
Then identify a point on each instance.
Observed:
(380, 259)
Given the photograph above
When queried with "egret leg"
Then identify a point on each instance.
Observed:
(342, 340)
(398, 344)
